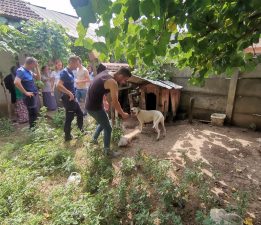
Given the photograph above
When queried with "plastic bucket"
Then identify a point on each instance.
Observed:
(217, 119)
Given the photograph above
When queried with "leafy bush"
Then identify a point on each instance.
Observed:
(157, 71)
(6, 127)
(59, 118)
(201, 218)
(99, 167)
(18, 194)
(69, 207)
(46, 158)
(117, 132)
(45, 152)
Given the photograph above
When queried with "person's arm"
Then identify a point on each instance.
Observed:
(19, 85)
(106, 103)
(87, 76)
(112, 85)
(37, 75)
(52, 81)
(63, 89)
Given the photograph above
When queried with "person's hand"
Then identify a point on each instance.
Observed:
(71, 96)
(29, 94)
(52, 94)
(124, 115)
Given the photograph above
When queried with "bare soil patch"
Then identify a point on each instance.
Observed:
(231, 156)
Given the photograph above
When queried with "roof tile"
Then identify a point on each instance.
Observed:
(17, 9)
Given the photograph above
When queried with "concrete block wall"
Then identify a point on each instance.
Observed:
(213, 97)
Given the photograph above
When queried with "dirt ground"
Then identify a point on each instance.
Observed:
(231, 156)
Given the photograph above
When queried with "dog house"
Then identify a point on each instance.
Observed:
(155, 95)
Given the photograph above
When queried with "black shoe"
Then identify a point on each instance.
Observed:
(68, 138)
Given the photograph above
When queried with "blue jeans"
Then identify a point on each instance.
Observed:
(103, 125)
(81, 94)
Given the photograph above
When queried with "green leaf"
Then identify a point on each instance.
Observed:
(100, 47)
(133, 10)
(79, 3)
(147, 7)
(186, 44)
(102, 31)
(88, 43)
(119, 19)
(100, 6)
(116, 7)
(87, 14)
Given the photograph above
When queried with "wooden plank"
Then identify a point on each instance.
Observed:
(142, 99)
(124, 88)
(231, 96)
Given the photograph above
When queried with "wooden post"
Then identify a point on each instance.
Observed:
(142, 99)
(231, 97)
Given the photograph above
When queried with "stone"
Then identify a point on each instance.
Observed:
(220, 215)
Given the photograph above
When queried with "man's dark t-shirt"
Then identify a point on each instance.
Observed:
(67, 77)
(96, 91)
(27, 79)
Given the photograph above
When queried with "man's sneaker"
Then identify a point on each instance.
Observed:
(111, 154)
(68, 138)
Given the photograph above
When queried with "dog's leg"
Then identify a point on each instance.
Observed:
(141, 126)
(156, 126)
(163, 126)
(158, 131)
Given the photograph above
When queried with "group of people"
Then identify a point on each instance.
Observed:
(50, 92)
(71, 86)
(51, 96)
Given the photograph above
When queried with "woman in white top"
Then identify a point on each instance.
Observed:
(82, 82)
(48, 95)
(56, 77)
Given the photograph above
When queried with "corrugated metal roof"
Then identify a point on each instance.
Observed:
(114, 67)
(17, 9)
(69, 22)
(165, 84)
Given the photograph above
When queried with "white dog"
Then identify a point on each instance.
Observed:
(146, 116)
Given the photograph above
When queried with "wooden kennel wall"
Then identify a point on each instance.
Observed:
(167, 95)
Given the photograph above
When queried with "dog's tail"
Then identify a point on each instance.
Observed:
(157, 122)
